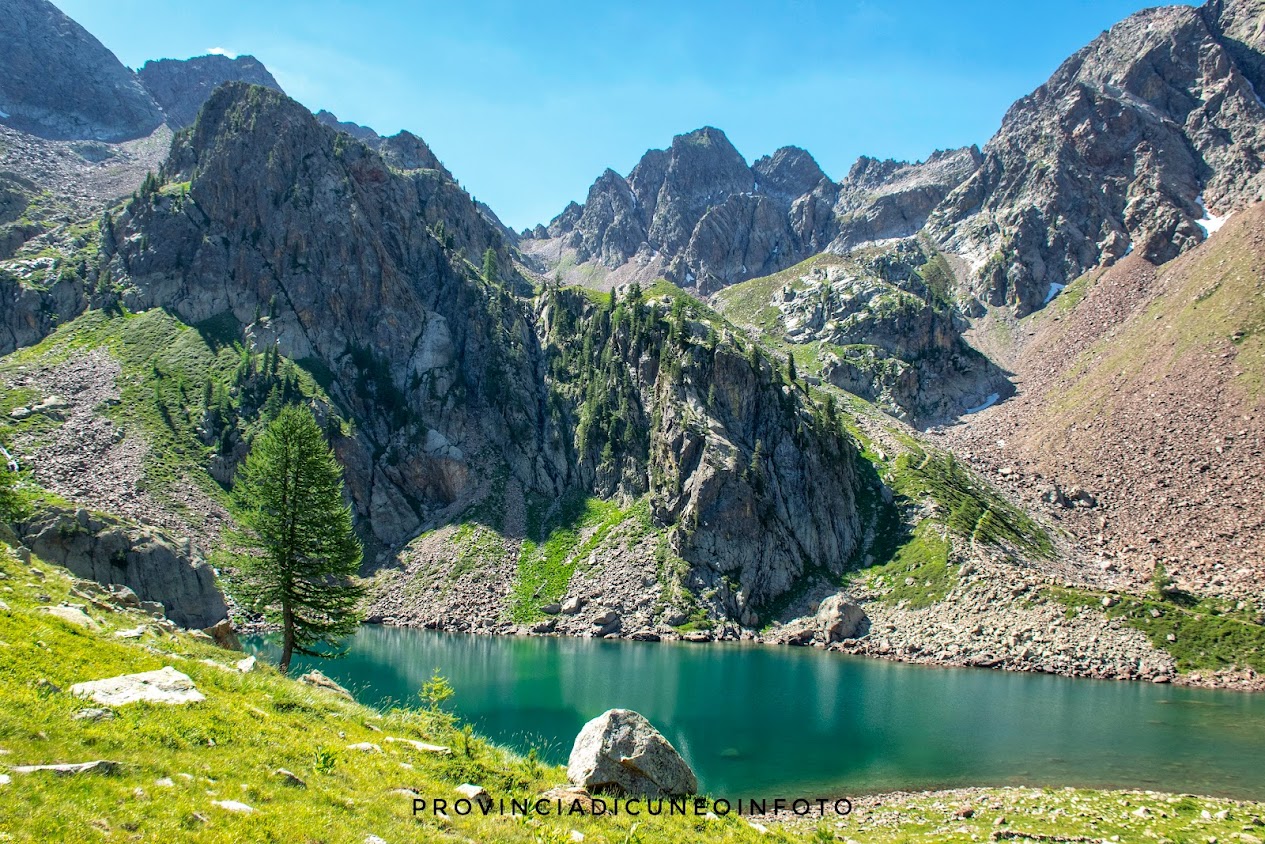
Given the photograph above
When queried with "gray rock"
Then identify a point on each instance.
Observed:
(71, 615)
(1134, 113)
(223, 635)
(572, 605)
(182, 86)
(320, 681)
(620, 752)
(166, 685)
(289, 778)
(92, 715)
(476, 794)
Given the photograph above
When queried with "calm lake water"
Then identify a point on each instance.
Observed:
(765, 721)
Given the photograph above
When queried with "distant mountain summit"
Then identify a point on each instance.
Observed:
(57, 81)
(181, 86)
(697, 214)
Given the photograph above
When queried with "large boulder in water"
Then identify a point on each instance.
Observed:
(620, 752)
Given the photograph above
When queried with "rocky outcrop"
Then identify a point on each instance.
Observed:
(694, 213)
(1139, 142)
(619, 752)
(57, 81)
(108, 551)
(880, 325)
(881, 200)
(181, 86)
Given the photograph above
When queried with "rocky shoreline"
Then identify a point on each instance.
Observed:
(979, 624)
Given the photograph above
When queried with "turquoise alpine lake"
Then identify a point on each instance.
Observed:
(765, 721)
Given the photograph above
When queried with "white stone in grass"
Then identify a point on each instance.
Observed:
(365, 747)
(234, 806)
(475, 794)
(246, 665)
(70, 615)
(5, 779)
(166, 685)
(422, 746)
(101, 766)
(165, 782)
(373, 839)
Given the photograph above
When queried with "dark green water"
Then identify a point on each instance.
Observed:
(766, 721)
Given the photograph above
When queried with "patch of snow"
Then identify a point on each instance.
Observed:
(689, 278)
(1208, 222)
(1128, 250)
(988, 402)
(4, 113)
(1055, 289)
(1252, 88)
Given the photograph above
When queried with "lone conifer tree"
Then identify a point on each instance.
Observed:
(297, 556)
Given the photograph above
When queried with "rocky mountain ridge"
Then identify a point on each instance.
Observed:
(1162, 109)
(697, 215)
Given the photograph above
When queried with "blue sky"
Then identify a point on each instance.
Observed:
(527, 101)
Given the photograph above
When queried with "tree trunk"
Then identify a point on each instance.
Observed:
(287, 633)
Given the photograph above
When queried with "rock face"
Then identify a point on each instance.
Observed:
(695, 213)
(108, 551)
(404, 150)
(1131, 145)
(166, 685)
(57, 81)
(619, 752)
(181, 86)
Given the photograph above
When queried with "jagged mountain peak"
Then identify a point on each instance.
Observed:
(181, 86)
(703, 136)
(788, 173)
(1127, 146)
